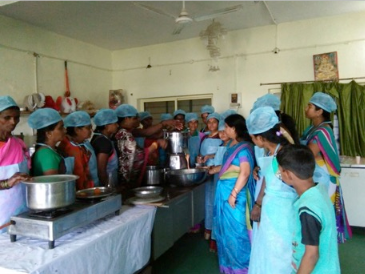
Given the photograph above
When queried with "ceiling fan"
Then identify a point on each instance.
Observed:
(184, 19)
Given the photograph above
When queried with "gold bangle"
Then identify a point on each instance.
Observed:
(5, 185)
(258, 205)
(235, 190)
(233, 196)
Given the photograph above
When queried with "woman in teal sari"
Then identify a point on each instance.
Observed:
(320, 139)
(231, 221)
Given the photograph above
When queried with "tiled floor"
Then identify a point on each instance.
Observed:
(190, 255)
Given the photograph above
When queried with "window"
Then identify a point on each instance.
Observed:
(157, 106)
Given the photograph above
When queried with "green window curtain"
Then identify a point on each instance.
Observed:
(351, 111)
(351, 119)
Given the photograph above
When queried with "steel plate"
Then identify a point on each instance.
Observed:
(94, 193)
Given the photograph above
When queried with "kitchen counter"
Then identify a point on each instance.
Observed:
(348, 161)
(114, 244)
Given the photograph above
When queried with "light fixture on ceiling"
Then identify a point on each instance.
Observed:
(149, 63)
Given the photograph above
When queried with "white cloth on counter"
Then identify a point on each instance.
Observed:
(114, 244)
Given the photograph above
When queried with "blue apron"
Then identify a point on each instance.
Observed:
(12, 200)
(210, 146)
(112, 165)
(93, 165)
(193, 146)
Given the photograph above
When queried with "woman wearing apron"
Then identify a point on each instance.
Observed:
(208, 149)
(320, 139)
(14, 164)
(78, 127)
(195, 137)
(47, 160)
(272, 244)
(106, 122)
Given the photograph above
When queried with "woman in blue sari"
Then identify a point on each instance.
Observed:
(231, 221)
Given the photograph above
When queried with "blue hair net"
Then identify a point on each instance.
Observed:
(166, 116)
(143, 115)
(191, 116)
(126, 110)
(207, 109)
(77, 119)
(43, 117)
(221, 125)
(227, 113)
(104, 117)
(214, 115)
(6, 102)
(179, 111)
(261, 120)
(268, 100)
(324, 101)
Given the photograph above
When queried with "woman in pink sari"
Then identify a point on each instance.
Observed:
(14, 163)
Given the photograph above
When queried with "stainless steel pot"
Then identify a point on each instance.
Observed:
(50, 192)
(186, 177)
(154, 176)
(178, 141)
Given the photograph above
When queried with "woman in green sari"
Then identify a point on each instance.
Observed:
(320, 139)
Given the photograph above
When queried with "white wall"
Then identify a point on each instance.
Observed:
(179, 68)
(246, 61)
(89, 67)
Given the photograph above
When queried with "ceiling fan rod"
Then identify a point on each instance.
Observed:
(272, 17)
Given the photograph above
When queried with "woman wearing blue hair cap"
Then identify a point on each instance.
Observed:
(204, 112)
(273, 208)
(47, 159)
(106, 122)
(14, 163)
(79, 129)
(132, 157)
(194, 137)
(320, 139)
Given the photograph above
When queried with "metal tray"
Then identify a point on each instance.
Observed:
(94, 193)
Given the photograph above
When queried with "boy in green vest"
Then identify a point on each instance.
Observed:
(314, 239)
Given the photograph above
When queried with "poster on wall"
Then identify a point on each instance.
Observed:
(325, 66)
(115, 98)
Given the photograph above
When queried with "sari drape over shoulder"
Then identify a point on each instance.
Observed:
(327, 172)
(232, 226)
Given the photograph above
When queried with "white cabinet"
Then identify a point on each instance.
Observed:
(353, 188)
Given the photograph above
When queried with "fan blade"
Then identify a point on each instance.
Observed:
(218, 13)
(178, 29)
(149, 8)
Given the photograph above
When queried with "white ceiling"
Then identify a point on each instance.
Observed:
(123, 24)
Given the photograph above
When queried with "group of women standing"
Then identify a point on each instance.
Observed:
(269, 207)
(111, 158)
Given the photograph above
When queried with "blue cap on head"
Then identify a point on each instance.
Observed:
(179, 111)
(261, 120)
(166, 116)
(268, 100)
(143, 115)
(207, 109)
(104, 117)
(43, 117)
(126, 110)
(191, 116)
(324, 101)
(214, 115)
(6, 102)
(77, 119)
(221, 125)
(227, 113)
